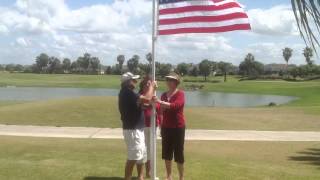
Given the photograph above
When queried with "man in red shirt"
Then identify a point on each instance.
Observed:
(173, 125)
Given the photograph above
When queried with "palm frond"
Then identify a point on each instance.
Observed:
(307, 14)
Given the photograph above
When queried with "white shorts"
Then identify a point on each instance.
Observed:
(136, 147)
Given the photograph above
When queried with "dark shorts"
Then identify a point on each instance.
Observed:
(173, 144)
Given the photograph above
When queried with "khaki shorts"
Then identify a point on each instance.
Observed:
(136, 147)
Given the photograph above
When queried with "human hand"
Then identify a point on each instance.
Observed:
(155, 99)
(154, 84)
(146, 105)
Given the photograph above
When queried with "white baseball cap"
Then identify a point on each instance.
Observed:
(129, 76)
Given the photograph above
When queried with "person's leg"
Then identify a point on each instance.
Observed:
(129, 168)
(128, 135)
(148, 173)
(147, 141)
(179, 150)
(135, 150)
(181, 170)
(142, 152)
(140, 171)
(168, 169)
(167, 151)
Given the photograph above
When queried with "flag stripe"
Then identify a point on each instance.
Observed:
(202, 18)
(193, 3)
(204, 24)
(205, 30)
(202, 13)
(198, 8)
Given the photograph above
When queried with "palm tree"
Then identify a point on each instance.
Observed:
(287, 54)
(121, 59)
(306, 12)
(308, 54)
(149, 58)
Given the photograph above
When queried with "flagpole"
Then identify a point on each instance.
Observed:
(153, 133)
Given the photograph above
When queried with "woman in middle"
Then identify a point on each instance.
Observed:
(147, 107)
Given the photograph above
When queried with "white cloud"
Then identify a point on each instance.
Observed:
(20, 23)
(179, 48)
(62, 40)
(137, 8)
(270, 51)
(93, 19)
(3, 29)
(278, 20)
(123, 27)
(40, 9)
(22, 42)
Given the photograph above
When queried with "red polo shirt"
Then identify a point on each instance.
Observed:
(174, 117)
(148, 114)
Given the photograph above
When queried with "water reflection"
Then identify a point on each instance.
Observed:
(194, 98)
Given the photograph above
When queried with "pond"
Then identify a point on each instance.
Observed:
(193, 98)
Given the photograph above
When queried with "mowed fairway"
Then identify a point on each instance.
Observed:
(75, 159)
(103, 112)
(58, 80)
(6, 103)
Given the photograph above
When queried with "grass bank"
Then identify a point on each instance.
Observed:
(7, 103)
(24, 158)
(103, 112)
(58, 80)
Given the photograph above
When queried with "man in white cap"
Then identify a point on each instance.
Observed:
(132, 117)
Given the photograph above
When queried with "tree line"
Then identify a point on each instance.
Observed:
(85, 64)
(45, 64)
(249, 67)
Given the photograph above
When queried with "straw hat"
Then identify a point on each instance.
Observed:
(174, 76)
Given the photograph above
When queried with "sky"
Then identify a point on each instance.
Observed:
(107, 28)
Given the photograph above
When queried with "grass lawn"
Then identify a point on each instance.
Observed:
(23, 158)
(83, 112)
(58, 80)
(6, 103)
(103, 112)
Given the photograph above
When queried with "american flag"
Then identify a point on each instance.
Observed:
(201, 16)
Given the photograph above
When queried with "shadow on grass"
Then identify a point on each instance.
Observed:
(102, 178)
(310, 156)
